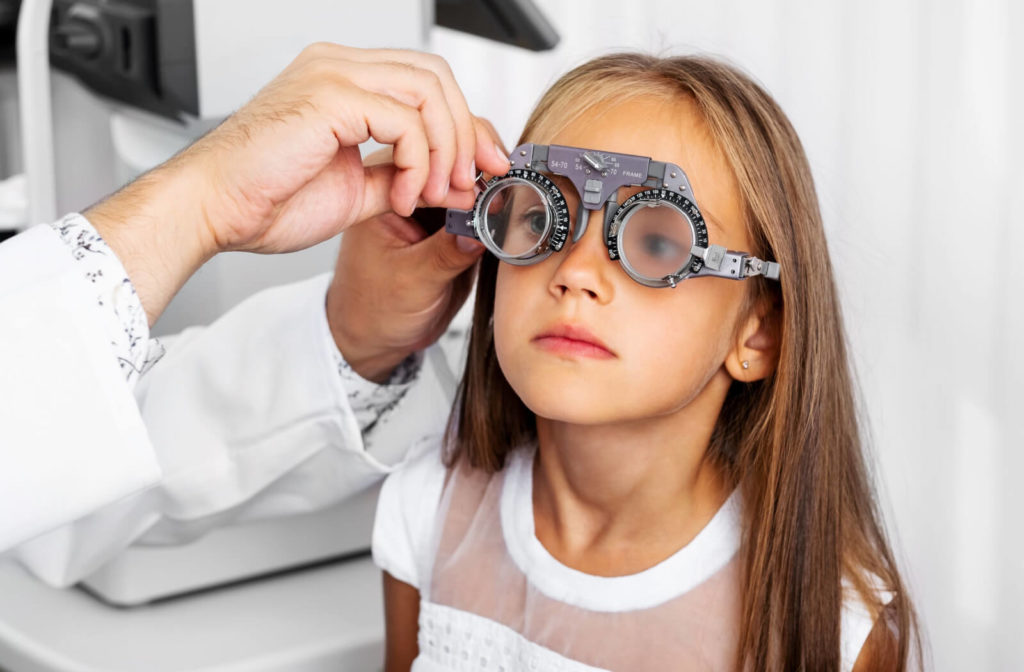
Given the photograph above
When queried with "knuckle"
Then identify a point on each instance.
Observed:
(405, 67)
(316, 50)
(440, 65)
(321, 69)
(433, 81)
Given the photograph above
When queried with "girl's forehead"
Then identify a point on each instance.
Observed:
(665, 130)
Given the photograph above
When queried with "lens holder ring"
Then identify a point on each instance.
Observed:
(559, 232)
(691, 213)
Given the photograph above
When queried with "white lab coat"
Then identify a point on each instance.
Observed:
(243, 419)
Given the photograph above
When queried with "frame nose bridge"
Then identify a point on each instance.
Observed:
(597, 200)
(588, 241)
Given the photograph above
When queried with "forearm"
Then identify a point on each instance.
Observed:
(158, 227)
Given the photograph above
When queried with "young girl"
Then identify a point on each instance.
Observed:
(651, 477)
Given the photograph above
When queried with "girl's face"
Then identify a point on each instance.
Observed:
(581, 342)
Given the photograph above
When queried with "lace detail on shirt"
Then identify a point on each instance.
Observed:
(369, 401)
(125, 318)
(458, 640)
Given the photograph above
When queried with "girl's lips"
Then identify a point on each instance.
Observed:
(566, 339)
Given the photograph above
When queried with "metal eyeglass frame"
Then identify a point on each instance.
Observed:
(597, 176)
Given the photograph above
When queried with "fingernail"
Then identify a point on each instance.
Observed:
(472, 172)
(467, 245)
(412, 206)
(502, 154)
(447, 186)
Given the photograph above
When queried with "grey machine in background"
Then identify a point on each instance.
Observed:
(12, 199)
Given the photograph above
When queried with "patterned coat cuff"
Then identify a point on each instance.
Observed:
(125, 318)
(369, 401)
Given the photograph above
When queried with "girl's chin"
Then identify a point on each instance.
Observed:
(572, 411)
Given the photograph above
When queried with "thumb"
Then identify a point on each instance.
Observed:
(447, 255)
(377, 181)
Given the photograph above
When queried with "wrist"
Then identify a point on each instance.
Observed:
(370, 358)
(373, 364)
(157, 227)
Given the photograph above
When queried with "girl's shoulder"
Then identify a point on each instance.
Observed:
(415, 500)
(407, 511)
(858, 618)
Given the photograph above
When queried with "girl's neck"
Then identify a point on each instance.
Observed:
(616, 499)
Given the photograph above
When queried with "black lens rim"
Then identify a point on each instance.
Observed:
(556, 232)
(691, 214)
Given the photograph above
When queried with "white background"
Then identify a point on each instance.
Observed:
(910, 112)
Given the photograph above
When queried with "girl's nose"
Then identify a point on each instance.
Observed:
(584, 268)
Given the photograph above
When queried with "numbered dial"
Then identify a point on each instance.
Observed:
(653, 233)
(521, 217)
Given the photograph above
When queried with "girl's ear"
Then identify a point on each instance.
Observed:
(756, 353)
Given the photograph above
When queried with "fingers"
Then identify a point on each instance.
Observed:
(464, 175)
(421, 90)
(458, 142)
(443, 255)
(390, 122)
(491, 154)
(463, 172)
(494, 163)
(379, 195)
(380, 156)
(446, 256)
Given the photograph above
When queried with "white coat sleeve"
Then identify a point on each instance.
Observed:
(246, 418)
(243, 419)
(71, 437)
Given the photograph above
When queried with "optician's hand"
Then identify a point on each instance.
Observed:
(395, 288)
(284, 172)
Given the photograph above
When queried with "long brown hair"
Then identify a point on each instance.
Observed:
(791, 442)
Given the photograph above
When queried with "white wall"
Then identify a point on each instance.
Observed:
(909, 111)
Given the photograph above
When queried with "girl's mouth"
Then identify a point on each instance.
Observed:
(572, 340)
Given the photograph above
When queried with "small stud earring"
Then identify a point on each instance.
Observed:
(745, 364)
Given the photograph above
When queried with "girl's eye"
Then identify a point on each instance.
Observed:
(535, 220)
(656, 245)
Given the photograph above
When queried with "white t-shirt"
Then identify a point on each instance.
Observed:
(493, 598)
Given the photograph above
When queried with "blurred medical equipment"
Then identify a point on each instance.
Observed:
(13, 209)
(516, 22)
(657, 234)
(133, 82)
